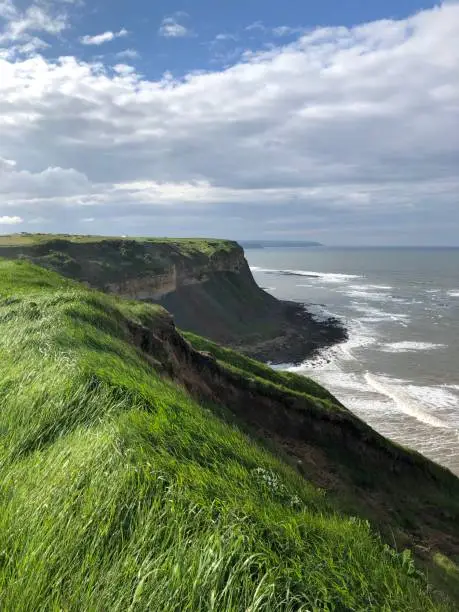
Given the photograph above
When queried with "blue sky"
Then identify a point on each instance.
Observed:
(214, 33)
(336, 121)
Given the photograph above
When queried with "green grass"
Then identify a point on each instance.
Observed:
(257, 370)
(120, 492)
(186, 245)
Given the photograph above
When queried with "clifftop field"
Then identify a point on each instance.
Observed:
(144, 469)
(203, 245)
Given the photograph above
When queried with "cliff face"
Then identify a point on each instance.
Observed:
(206, 284)
(182, 272)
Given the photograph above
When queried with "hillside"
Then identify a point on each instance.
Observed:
(142, 470)
(206, 284)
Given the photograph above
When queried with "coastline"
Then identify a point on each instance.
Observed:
(396, 371)
(302, 337)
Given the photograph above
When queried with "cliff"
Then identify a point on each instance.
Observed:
(206, 284)
(142, 469)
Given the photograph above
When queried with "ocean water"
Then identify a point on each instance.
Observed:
(399, 370)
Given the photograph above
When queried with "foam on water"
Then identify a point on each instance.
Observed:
(327, 277)
(319, 312)
(408, 347)
(377, 296)
(438, 397)
(379, 287)
(453, 293)
(403, 400)
(397, 408)
(368, 286)
(360, 337)
(376, 315)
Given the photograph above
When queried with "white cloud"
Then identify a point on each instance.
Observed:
(10, 220)
(225, 37)
(256, 25)
(7, 9)
(36, 18)
(171, 28)
(341, 130)
(6, 164)
(287, 31)
(23, 185)
(128, 54)
(123, 69)
(100, 39)
(21, 29)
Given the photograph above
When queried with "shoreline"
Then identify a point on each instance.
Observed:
(303, 336)
(401, 416)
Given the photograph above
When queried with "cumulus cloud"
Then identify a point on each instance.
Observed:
(35, 18)
(124, 69)
(7, 10)
(256, 25)
(171, 28)
(100, 39)
(10, 220)
(22, 28)
(287, 31)
(225, 37)
(128, 54)
(342, 130)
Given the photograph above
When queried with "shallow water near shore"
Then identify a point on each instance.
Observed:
(399, 369)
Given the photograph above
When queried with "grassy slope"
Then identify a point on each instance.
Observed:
(120, 492)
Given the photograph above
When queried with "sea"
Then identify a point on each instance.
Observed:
(399, 369)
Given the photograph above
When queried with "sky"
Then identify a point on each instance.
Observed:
(335, 121)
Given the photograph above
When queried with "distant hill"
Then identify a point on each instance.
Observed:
(264, 244)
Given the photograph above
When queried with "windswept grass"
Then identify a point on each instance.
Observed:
(251, 367)
(120, 492)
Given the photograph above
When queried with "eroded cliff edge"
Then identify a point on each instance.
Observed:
(206, 284)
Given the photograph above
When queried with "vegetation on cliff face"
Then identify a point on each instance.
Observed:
(130, 479)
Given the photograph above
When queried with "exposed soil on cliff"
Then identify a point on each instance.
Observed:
(231, 309)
